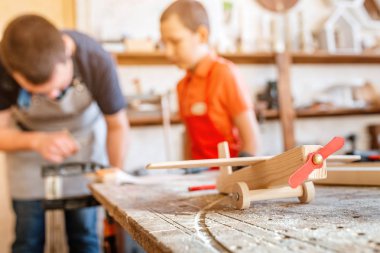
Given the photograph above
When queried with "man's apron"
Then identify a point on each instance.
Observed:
(75, 112)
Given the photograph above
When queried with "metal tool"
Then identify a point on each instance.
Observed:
(55, 203)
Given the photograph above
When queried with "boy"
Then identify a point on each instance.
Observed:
(212, 103)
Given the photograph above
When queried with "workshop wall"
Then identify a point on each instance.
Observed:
(306, 80)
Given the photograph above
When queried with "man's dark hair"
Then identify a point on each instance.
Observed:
(32, 46)
(191, 13)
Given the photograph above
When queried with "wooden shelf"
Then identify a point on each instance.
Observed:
(258, 58)
(268, 114)
(149, 119)
(154, 118)
(336, 112)
(324, 58)
(306, 113)
(141, 59)
(283, 63)
(159, 58)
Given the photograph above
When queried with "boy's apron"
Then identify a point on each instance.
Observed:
(204, 135)
(75, 112)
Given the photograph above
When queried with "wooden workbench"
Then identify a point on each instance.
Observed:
(164, 217)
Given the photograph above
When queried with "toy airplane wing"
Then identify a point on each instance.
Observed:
(241, 161)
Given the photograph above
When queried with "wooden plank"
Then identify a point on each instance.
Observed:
(257, 58)
(305, 113)
(149, 118)
(239, 161)
(286, 110)
(6, 213)
(325, 58)
(357, 165)
(159, 58)
(165, 217)
(343, 158)
(347, 175)
(154, 118)
(153, 58)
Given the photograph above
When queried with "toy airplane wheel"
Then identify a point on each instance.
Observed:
(308, 192)
(240, 195)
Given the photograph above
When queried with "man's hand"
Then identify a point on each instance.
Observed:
(56, 146)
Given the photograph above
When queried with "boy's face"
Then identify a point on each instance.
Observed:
(182, 46)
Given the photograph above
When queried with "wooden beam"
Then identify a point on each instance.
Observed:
(359, 174)
(326, 58)
(69, 13)
(152, 58)
(286, 110)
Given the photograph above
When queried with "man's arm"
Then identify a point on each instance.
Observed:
(12, 139)
(248, 131)
(54, 147)
(117, 138)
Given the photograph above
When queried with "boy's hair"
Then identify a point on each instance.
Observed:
(32, 46)
(191, 13)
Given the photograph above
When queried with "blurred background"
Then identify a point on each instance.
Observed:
(319, 59)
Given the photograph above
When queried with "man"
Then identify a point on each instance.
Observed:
(60, 101)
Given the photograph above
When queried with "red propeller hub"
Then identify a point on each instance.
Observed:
(315, 161)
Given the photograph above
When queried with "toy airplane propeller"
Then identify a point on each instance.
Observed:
(289, 174)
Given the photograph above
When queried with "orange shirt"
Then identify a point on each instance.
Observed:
(227, 96)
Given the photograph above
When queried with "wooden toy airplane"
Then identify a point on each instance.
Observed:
(289, 174)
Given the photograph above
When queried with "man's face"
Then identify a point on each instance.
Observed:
(181, 44)
(60, 79)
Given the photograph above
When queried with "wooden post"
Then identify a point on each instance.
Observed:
(286, 110)
(69, 13)
(224, 152)
(166, 113)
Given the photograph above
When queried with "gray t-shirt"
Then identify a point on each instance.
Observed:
(95, 68)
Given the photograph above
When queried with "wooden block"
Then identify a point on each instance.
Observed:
(367, 174)
(224, 152)
(274, 172)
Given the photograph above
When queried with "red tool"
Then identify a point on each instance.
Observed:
(374, 157)
(202, 187)
(315, 161)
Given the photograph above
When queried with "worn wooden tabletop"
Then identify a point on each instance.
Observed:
(164, 217)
